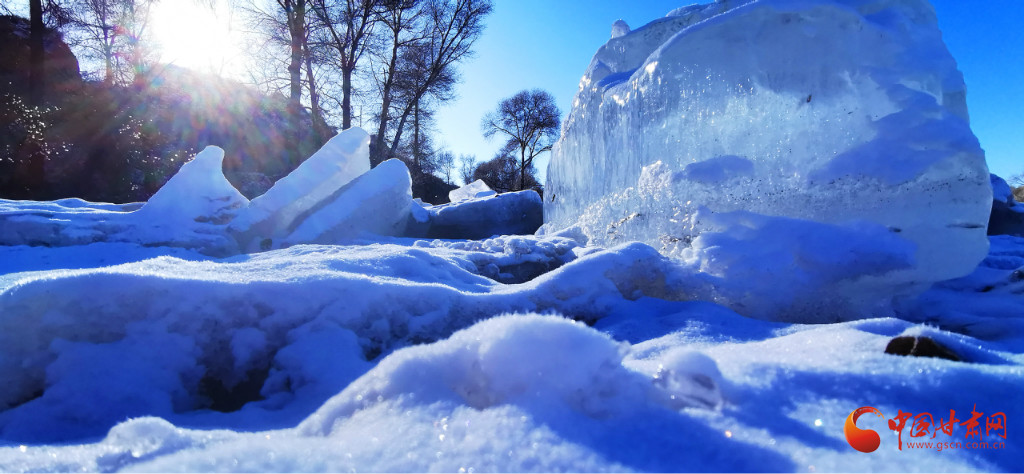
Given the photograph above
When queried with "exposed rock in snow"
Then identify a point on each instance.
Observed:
(315, 183)
(821, 111)
(520, 212)
(476, 189)
(1007, 214)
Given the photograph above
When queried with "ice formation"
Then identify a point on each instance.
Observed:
(314, 184)
(486, 215)
(472, 190)
(820, 110)
(197, 201)
(378, 202)
(192, 211)
(1007, 214)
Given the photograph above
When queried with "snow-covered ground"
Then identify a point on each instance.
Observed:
(406, 355)
(320, 327)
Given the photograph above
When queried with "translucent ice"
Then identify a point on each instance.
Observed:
(379, 202)
(829, 111)
(313, 184)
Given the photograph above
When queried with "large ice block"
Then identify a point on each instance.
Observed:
(315, 183)
(830, 111)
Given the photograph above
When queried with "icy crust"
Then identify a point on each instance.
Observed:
(823, 111)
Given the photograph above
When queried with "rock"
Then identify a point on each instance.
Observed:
(479, 218)
(919, 346)
(833, 112)
(60, 64)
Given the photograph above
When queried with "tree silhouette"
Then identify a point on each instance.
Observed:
(530, 120)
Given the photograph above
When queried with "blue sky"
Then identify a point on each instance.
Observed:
(548, 44)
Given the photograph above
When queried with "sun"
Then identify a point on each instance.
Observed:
(192, 34)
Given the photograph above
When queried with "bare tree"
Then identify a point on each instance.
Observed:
(502, 174)
(295, 19)
(350, 25)
(446, 164)
(530, 120)
(1016, 180)
(110, 31)
(467, 163)
(451, 27)
(398, 18)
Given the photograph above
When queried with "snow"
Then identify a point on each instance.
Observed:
(378, 357)
(190, 211)
(836, 113)
(476, 189)
(139, 337)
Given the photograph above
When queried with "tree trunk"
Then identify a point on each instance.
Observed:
(37, 58)
(319, 125)
(416, 136)
(346, 98)
(108, 53)
(522, 168)
(296, 28)
(381, 151)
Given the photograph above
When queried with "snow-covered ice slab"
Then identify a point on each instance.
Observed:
(314, 184)
(834, 112)
(476, 189)
(197, 202)
(190, 211)
(487, 214)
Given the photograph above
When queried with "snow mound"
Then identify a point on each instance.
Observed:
(741, 259)
(823, 111)
(314, 184)
(247, 335)
(532, 361)
(476, 189)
